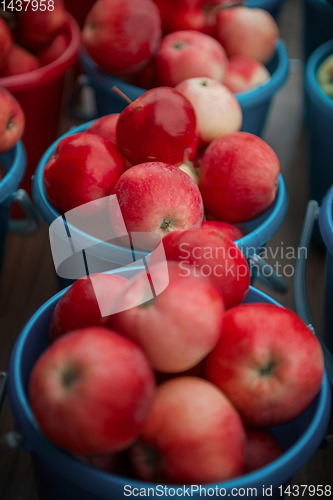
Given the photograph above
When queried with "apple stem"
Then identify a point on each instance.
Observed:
(119, 92)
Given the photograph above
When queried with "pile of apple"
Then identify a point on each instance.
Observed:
(180, 389)
(32, 37)
(217, 39)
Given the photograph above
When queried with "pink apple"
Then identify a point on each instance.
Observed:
(91, 391)
(239, 177)
(18, 62)
(79, 306)
(211, 254)
(83, 168)
(189, 54)
(6, 42)
(193, 435)
(230, 230)
(217, 110)
(268, 363)
(12, 121)
(53, 50)
(261, 448)
(158, 198)
(244, 73)
(177, 328)
(247, 32)
(122, 35)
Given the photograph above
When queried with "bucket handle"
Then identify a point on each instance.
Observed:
(300, 293)
(13, 439)
(81, 82)
(31, 223)
(272, 279)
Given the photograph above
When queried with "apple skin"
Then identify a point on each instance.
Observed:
(244, 73)
(12, 121)
(83, 168)
(193, 435)
(261, 448)
(267, 362)
(36, 28)
(53, 50)
(158, 198)
(6, 42)
(217, 110)
(212, 254)
(18, 62)
(189, 54)
(78, 307)
(247, 32)
(158, 126)
(239, 176)
(230, 230)
(324, 76)
(91, 391)
(122, 35)
(177, 328)
(106, 126)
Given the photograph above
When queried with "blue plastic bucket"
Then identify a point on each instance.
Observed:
(254, 103)
(318, 24)
(272, 6)
(260, 229)
(320, 118)
(61, 477)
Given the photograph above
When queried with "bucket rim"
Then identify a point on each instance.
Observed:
(40, 76)
(323, 5)
(71, 468)
(326, 220)
(14, 174)
(311, 84)
(253, 239)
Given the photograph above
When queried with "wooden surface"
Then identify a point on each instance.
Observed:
(28, 278)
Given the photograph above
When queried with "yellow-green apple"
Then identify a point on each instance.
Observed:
(261, 448)
(267, 362)
(158, 198)
(80, 305)
(325, 76)
(91, 391)
(12, 121)
(244, 73)
(189, 54)
(53, 50)
(239, 177)
(193, 435)
(83, 168)
(177, 328)
(122, 35)
(158, 126)
(19, 61)
(231, 230)
(6, 42)
(247, 32)
(217, 110)
(211, 254)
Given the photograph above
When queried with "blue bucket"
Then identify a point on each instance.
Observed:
(260, 229)
(318, 24)
(254, 103)
(61, 477)
(320, 118)
(14, 164)
(272, 6)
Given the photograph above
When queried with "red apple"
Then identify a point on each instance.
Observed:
(244, 73)
(122, 35)
(213, 255)
(261, 448)
(36, 28)
(189, 54)
(12, 121)
(267, 362)
(6, 42)
(19, 61)
(177, 328)
(239, 177)
(91, 391)
(230, 230)
(54, 50)
(193, 435)
(158, 198)
(217, 110)
(247, 32)
(106, 126)
(158, 126)
(79, 307)
(83, 168)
